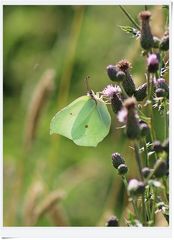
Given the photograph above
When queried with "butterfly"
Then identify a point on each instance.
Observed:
(86, 121)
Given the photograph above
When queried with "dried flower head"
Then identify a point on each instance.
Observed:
(145, 15)
(123, 65)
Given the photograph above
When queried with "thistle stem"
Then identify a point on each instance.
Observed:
(145, 153)
(129, 17)
(165, 120)
(138, 158)
(131, 199)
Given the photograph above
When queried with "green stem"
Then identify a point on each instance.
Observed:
(123, 91)
(132, 200)
(165, 120)
(145, 153)
(144, 210)
(129, 17)
(148, 86)
(138, 158)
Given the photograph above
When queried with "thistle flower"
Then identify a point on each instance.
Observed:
(132, 121)
(152, 63)
(128, 83)
(146, 38)
(140, 92)
(111, 90)
(117, 160)
(160, 92)
(112, 222)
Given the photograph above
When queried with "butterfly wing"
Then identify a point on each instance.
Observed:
(62, 123)
(92, 124)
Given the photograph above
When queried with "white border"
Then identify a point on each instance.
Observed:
(81, 232)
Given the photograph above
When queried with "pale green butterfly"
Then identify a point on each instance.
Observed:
(86, 121)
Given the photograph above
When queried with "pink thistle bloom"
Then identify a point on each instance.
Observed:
(122, 115)
(110, 90)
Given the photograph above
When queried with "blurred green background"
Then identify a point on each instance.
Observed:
(48, 51)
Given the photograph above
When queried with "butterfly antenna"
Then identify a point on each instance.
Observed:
(87, 85)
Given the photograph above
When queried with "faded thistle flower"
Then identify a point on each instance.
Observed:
(146, 38)
(152, 63)
(128, 114)
(141, 92)
(113, 92)
(135, 187)
(128, 83)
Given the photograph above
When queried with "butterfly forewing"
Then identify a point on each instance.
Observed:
(63, 121)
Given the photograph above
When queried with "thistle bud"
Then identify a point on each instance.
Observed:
(117, 160)
(121, 76)
(116, 103)
(157, 147)
(144, 129)
(160, 92)
(112, 72)
(146, 38)
(156, 42)
(112, 222)
(122, 169)
(128, 83)
(140, 92)
(135, 187)
(152, 63)
(132, 123)
(146, 171)
(161, 84)
(160, 168)
(164, 43)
